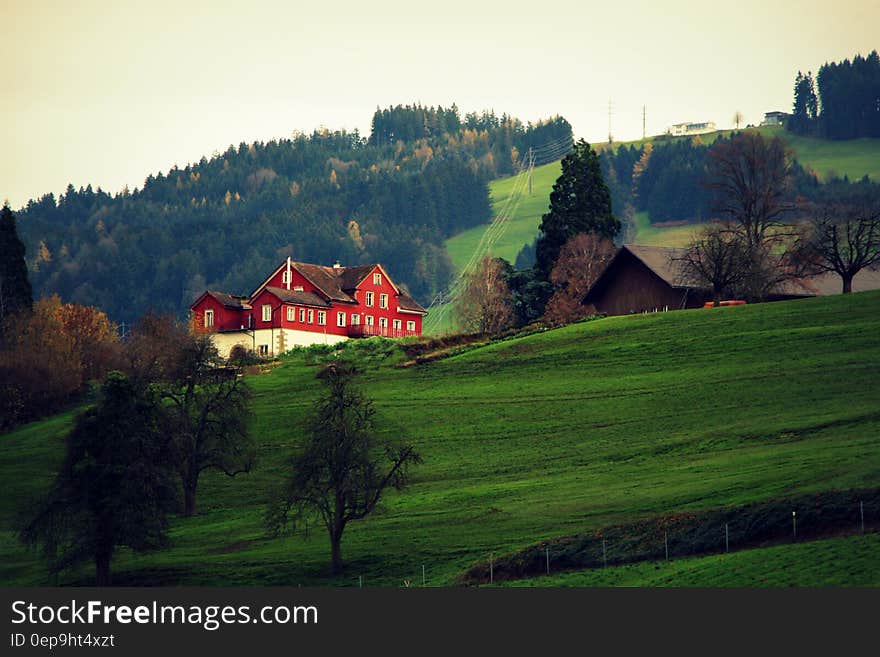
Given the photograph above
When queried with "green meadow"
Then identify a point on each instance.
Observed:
(527, 439)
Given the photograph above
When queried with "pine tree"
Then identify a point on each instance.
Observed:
(579, 203)
(15, 289)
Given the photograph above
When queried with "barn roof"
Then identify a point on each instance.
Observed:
(661, 260)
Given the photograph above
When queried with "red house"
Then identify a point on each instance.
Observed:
(302, 304)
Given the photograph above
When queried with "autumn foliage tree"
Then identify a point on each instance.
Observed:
(581, 260)
(486, 304)
(54, 351)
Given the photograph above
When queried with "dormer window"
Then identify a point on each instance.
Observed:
(377, 279)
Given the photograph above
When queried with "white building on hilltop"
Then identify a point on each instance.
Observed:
(684, 129)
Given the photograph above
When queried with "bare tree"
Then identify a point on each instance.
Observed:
(581, 260)
(344, 467)
(486, 304)
(717, 258)
(844, 238)
(750, 177)
(737, 118)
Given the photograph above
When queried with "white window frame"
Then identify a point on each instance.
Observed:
(302, 315)
(267, 312)
(383, 300)
(291, 314)
(383, 322)
(396, 324)
(368, 299)
(311, 316)
(377, 279)
(322, 318)
(264, 349)
(355, 319)
(209, 318)
(410, 325)
(285, 277)
(369, 320)
(340, 319)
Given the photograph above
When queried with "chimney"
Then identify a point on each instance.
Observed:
(336, 265)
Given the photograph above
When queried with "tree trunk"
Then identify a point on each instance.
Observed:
(190, 484)
(102, 569)
(847, 283)
(336, 553)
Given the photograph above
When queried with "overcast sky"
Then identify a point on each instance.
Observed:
(108, 92)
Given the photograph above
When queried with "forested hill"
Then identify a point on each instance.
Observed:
(225, 222)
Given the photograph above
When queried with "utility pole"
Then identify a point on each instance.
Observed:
(644, 123)
(609, 122)
(531, 166)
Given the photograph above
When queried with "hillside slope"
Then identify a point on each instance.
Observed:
(537, 437)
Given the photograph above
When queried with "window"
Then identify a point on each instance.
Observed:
(368, 299)
(311, 316)
(369, 320)
(291, 313)
(322, 318)
(377, 279)
(340, 319)
(302, 315)
(383, 300)
(264, 350)
(267, 313)
(285, 277)
(209, 318)
(355, 319)
(396, 324)
(383, 322)
(410, 325)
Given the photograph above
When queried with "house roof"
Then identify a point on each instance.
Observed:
(406, 302)
(229, 300)
(297, 297)
(661, 261)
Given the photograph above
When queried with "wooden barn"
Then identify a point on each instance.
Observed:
(646, 279)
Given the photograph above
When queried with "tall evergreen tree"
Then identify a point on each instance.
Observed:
(579, 203)
(15, 289)
(806, 105)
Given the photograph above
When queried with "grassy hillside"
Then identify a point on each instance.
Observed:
(542, 436)
(851, 561)
(854, 158)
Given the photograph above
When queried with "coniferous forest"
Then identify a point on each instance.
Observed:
(225, 222)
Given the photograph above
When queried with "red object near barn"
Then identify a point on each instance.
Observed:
(736, 302)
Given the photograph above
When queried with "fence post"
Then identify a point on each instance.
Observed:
(726, 538)
(666, 544)
(604, 557)
(360, 581)
(794, 524)
(547, 557)
(423, 575)
(862, 514)
(491, 567)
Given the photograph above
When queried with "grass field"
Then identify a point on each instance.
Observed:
(532, 438)
(843, 561)
(854, 158)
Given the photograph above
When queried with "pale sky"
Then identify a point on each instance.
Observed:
(106, 92)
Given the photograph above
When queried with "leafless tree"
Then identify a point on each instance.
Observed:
(581, 260)
(844, 238)
(717, 258)
(486, 305)
(737, 119)
(750, 177)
